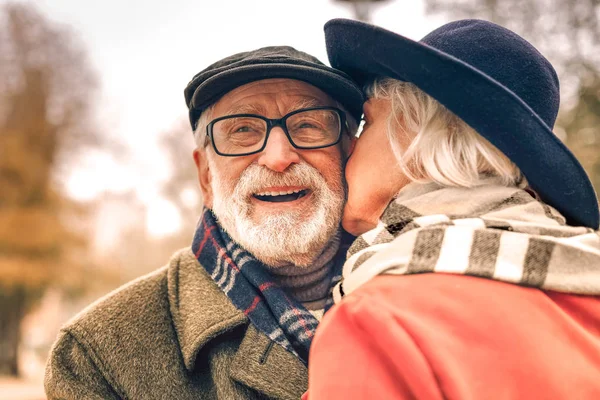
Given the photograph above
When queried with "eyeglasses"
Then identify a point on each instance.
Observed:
(245, 134)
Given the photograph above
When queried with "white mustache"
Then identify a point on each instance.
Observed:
(255, 178)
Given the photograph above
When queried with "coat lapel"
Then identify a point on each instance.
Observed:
(268, 368)
(201, 312)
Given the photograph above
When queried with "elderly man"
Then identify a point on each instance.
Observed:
(232, 317)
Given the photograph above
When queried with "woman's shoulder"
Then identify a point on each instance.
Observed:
(448, 313)
(470, 331)
(472, 300)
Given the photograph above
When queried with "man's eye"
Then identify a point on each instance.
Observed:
(309, 123)
(306, 125)
(242, 129)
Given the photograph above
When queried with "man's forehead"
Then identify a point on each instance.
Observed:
(262, 109)
(258, 96)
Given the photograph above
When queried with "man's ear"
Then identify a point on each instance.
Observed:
(204, 176)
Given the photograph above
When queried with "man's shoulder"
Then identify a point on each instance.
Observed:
(140, 301)
(133, 340)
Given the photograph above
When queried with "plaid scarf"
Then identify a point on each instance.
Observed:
(489, 231)
(250, 287)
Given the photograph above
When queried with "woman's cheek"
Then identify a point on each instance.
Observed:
(360, 213)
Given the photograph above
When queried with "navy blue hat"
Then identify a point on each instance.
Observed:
(208, 85)
(491, 78)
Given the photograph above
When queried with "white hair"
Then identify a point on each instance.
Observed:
(444, 149)
(200, 132)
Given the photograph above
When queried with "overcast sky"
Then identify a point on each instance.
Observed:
(145, 52)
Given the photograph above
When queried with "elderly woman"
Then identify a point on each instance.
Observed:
(476, 270)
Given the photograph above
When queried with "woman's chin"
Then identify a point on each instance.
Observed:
(355, 225)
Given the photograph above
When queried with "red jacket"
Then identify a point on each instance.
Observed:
(442, 336)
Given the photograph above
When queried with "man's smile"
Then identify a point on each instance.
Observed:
(281, 194)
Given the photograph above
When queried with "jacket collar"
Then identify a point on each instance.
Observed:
(202, 312)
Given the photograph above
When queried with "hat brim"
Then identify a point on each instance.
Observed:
(340, 89)
(364, 51)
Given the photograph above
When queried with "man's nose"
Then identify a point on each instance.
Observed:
(279, 153)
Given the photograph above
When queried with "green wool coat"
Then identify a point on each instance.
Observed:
(172, 334)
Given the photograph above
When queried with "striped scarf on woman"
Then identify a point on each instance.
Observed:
(490, 231)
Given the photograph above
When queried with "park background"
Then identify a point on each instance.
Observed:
(97, 184)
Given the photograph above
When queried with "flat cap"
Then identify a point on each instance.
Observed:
(210, 84)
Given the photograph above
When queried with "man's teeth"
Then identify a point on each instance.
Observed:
(279, 193)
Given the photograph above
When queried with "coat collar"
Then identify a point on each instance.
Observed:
(202, 312)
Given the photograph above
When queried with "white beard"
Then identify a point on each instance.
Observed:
(296, 237)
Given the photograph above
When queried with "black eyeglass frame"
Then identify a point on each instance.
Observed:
(271, 123)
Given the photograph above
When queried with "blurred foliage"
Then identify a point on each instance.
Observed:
(181, 188)
(47, 86)
(46, 93)
(567, 32)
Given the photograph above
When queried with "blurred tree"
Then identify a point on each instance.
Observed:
(46, 88)
(568, 33)
(182, 187)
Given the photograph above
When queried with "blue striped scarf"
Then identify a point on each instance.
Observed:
(251, 288)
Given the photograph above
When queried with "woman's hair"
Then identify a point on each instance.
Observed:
(445, 150)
